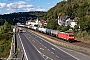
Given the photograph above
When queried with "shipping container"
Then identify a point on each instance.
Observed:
(40, 29)
(54, 32)
(48, 31)
(43, 30)
(37, 29)
(34, 28)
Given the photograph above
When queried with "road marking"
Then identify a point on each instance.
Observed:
(48, 49)
(46, 58)
(33, 40)
(39, 51)
(52, 48)
(23, 48)
(57, 47)
(52, 52)
(61, 50)
(41, 48)
(35, 47)
(57, 56)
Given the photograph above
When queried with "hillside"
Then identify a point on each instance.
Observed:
(18, 15)
(73, 8)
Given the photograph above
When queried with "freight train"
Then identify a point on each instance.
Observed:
(68, 36)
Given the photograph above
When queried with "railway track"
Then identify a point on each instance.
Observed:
(76, 42)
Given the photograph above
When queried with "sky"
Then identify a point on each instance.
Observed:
(11, 6)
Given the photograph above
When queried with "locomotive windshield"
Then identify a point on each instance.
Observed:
(71, 35)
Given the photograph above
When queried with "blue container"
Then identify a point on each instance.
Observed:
(48, 31)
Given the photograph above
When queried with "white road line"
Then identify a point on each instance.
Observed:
(52, 52)
(62, 50)
(57, 47)
(52, 48)
(38, 50)
(35, 47)
(46, 58)
(23, 48)
(57, 56)
(48, 49)
(33, 40)
(41, 48)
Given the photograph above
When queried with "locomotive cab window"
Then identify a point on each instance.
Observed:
(71, 35)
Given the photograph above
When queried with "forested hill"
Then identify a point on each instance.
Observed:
(18, 15)
(72, 8)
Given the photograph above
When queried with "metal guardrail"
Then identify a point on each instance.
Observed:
(13, 47)
(12, 50)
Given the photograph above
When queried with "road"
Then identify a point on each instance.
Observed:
(36, 48)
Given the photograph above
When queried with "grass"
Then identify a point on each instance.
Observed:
(5, 48)
(16, 52)
(5, 43)
(83, 36)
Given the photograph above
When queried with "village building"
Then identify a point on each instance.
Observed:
(39, 23)
(65, 21)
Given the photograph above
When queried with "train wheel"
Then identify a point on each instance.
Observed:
(70, 41)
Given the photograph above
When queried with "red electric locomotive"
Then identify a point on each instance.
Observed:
(66, 35)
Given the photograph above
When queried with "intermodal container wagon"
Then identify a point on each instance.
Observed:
(54, 32)
(48, 31)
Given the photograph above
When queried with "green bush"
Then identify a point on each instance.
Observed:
(83, 34)
(1, 49)
(65, 28)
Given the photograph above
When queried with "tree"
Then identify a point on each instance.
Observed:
(1, 22)
(7, 27)
(65, 28)
(52, 24)
(84, 24)
(69, 10)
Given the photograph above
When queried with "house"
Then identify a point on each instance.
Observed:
(63, 20)
(42, 23)
(32, 22)
(36, 22)
(74, 22)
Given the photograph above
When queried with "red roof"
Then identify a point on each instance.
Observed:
(42, 21)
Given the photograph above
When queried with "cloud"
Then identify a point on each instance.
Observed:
(2, 5)
(20, 6)
(40, 9)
